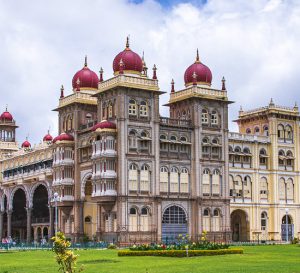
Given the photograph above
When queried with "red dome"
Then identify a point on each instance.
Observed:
(7, 116)
(202, 72)
(63, 137)
(132, 62)
(87, 78)
(104, 124)
(26, 144)
(47, 137)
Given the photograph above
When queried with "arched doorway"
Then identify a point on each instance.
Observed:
(287, 228)
(4, 235)
(89, 208)
(239, 226)
(174, 223)
(19, 216)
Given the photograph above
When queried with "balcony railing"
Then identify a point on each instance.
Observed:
(175, 122)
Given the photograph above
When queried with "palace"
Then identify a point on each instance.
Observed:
(125, 174)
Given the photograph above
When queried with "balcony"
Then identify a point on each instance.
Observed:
(104, 153)
(175, 122)
(250, 138)
(108, 174)
(63, 182)
(63, 162)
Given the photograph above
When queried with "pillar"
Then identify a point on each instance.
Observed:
(9, 213)
(28, 238)
(1, 225)
(51, 223)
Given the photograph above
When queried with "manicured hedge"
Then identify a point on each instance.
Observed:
(179, 253)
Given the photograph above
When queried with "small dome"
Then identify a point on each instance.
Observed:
(47, 137)
(6, 116)
(63, 137)
(132, 62)
(85, 78)
(104, 124)
(26, 144)
(200, 71)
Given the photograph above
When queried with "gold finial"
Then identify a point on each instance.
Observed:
(127, 42)
(197, 57)
(85, 61)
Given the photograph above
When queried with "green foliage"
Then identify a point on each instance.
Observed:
(179, 253)
(112, 246)
(295, 241)
(65, 257)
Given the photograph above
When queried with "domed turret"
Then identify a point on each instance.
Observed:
(104, 124)
(26, 144)
(85, 78)
(47, 137)
(128, 61)
(6, 116)
(197, 74)
(63, 137)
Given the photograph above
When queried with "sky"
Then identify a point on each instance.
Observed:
(253, 44)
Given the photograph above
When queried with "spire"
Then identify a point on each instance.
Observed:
(127, 43)
(62, 92)
(6, 108)
(271, 104)
(194, 78)
(172, 87)
(154, 77)
(78, 84)
(145, 68)
(85, 61)
(121, 67)
(223, 84)
(296, 107)
(197, 57)
(101, 74)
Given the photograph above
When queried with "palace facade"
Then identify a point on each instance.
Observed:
(123, 173)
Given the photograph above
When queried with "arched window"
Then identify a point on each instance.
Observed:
(216, 221)
(144, 219)
(110, 110)
(247, 187)
(263, 188)
(132, 108)
(133, 177)
(248, 131)
(263, 221)
(288, 133)
(173, 145)
(290, 189)
(231, 186)
(133, 219)
(206, 220)
(256, 130)
(263, 157)
(280, 131)
(132, 140)
(184, 180)
(204, 116)
(183, 115)
(282, 189)
(214, 118)
(163, 142)
(206, 182)
(163, 179)
(289, 160)
(143, 109)
(88, 219)
(174, 185)
(216, 182)
(281, 158)
(145, 178)
(266, 130)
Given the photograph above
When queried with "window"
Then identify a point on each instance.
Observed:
(216, 182)
(174, 180)
(164, 179)
(133, 178)
(145, 178)
(163, 143)
(256, 130)
(214, 118)
(216, 220)
(132, 108)
(143, 109)
(290, 189)
(263, 188)
(144, 220)
(173, 145)
(110, 110)
(206, 182)
(132, 140)
(263, 221)
(184, 181)
(266, 130)
(206, 220)
(248, 131)
(281, 157)
(280, 131)
(183, 116)
(288, 133)
(263, 157)
(204, 116)
(133, 223)
(282, 190)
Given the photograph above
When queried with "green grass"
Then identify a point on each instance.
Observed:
(258, 259)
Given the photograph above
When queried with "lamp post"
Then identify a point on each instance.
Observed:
(286, 224)
(55, 199)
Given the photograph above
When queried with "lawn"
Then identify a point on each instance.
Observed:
(259, 259)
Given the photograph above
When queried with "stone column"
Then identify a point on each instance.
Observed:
(1, 225)
(28, 239)
(51, 222)
(9, 213)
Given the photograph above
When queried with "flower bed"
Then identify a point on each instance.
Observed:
(179, 253)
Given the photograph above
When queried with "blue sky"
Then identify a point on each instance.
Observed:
(254, 44)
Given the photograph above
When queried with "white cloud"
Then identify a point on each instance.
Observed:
(254, 44)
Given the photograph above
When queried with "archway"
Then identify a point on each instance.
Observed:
(40, 212)
(19, 216)
(5, 206)
(89, 208)
(174, 223)
(240, 226)
(287, 228)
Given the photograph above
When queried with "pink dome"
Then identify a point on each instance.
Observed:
(132, 62)
(47, 137)
(26, 144)
(104, 124)
(200, 71)
(6, 116)
(87, 78)
(63, 137)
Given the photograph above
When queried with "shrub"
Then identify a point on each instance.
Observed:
(295, 241)
(111, 246)
(179, 253)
